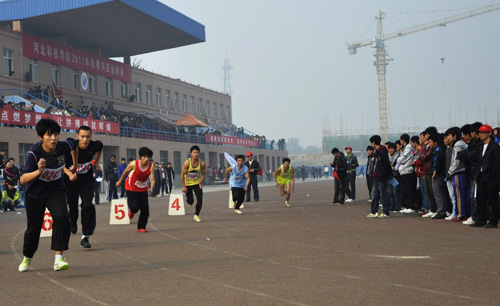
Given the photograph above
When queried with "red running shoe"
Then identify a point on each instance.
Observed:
(130, 214)
(142, 230)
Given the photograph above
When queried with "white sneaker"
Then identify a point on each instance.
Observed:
(60, 264)
(238, 211)
(448, 214)
(402, 211)
(450, 217)
(382, 215)
(25, 264)
(349, 200)
(409, 211)
(370, 200)
(428, 215)
(196, 218)
(469, 221)
(370, 215)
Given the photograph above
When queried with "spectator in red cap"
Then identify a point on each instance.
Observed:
(253, 167)
(352, 164)
(487, 178)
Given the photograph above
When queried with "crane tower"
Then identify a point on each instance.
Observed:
(382, 58)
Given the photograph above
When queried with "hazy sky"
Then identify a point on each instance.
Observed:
(292, 72)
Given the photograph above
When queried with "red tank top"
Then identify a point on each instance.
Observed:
(137, 180)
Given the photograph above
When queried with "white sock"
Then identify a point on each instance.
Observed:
(58, 257)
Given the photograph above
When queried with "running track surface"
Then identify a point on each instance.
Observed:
(312, 253)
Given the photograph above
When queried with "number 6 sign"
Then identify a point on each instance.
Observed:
(119, 212)
(47, 224)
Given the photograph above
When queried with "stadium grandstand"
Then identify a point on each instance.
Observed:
(60, 61)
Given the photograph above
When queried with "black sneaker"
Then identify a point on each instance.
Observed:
(85, 243)
(478, 224)
(73, 228)
(13, 209)
(439, 216)
(490, 225)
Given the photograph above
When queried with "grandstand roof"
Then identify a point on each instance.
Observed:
(118, 27)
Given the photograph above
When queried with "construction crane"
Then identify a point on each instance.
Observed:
(381, 55)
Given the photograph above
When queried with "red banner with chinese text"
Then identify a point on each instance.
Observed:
(58, 54)
(17, 117)
(230, 140)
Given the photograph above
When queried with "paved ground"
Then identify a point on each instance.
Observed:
(313, 253)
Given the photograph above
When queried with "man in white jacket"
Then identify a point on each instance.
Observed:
(457, 174)
(408, 177)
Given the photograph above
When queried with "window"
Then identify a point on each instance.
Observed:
(54, 73)
(149, 90)
(92, 83)
(23, 152)
(4, 146)
(109, 87)
(215, 109)
(124, 89)
(221, 111)
(200, 106)
(74, 79)
(192, 104)
(33, 69)
(131, 153)
(167, 98)
(228, 112)
(8, 62)
(164, 157)
(177, 162)
(207, 108)
(176, 101)
(138, 92)
(184, 103)
(222, 160)
(158, 96)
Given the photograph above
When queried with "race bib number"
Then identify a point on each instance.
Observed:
(84, 168)
(141, 184)
(49, 175)
(192, 175)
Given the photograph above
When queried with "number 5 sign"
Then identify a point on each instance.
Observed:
(119, 212)
(47, 224)
(176, 205)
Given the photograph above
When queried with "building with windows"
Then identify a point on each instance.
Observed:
(71, 47)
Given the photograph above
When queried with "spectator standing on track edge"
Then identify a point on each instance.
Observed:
(253, 168)
(352, 164)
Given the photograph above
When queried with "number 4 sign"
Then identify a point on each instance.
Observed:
(176, 205)
(119, 212)
(47, 224)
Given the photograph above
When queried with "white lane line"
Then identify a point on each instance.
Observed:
(32, 270)
(401, 257)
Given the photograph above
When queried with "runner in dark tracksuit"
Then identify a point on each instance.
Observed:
(83, 187)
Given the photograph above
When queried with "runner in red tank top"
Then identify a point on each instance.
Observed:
(136, 184)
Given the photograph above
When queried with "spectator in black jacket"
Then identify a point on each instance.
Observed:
(112, 178)
(339, 165)
(352, 164)
(487, 178)
(170, 177)
(438, 170)
(369, 170)
(253, 168)
(381, 176)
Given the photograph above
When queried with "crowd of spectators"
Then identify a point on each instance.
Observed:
(59, 106)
